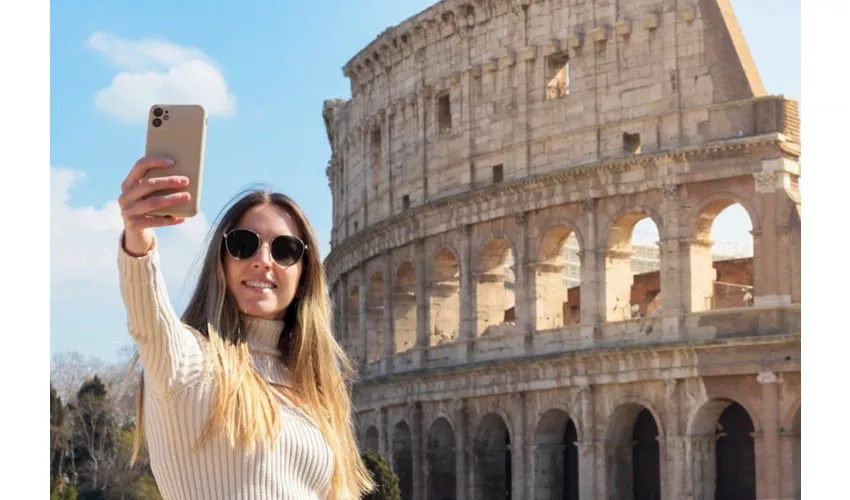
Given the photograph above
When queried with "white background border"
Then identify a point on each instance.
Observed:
(24, 245)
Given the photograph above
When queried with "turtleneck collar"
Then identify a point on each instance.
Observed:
(263, 334)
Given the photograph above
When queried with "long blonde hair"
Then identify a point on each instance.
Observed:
(244, 410)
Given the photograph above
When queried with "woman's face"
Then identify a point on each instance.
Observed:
(261, 286)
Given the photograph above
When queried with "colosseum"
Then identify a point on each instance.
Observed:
(491, 146)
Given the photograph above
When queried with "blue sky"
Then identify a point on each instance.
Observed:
(274, 64)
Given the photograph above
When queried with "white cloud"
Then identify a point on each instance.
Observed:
(84, 246)
(154, 71)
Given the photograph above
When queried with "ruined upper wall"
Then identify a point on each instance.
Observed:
(453, 36)
(469, 92)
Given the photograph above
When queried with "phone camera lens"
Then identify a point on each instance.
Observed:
(157, 112)
(165, 117)
(157, 122)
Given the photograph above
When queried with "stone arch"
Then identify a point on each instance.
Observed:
(788, 419)
(557, 296)
(703, 214)
(494, 300)
(702, 419)
(441, 457)
(623, 222)
(444, 297)
(375, 318)
(555, 467)
(492, 457)
(620, 299)
(402, 457)
(722, 451)
(716, 285)
(404, 307)
(371, 439)
(554, 222)
(634, 461)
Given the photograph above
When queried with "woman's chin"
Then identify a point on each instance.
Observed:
(264, 311)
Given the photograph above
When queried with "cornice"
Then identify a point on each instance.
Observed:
(572, 173)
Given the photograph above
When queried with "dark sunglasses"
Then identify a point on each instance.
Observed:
(243, 244)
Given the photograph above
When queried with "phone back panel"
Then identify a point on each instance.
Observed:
(179, 133)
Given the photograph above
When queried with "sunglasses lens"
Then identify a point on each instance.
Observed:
(286, 250)
(242, 244)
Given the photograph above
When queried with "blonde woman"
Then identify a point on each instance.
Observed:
(245, 396)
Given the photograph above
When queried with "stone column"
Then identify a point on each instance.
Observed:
(789, 442)
(765, 243)
(672, 298)
(700, 454)
(462, 447)
(588, 447)
(384, 442)
(468, 313)
(772, 245)
(521, 290)
(389, 324)
(363, 311)
(418, 452)
(592, 276)
(525, 65)
(519, 447)
(343, 305)
(768, 464)
(422, 305)
(672, 473)
(423, 101)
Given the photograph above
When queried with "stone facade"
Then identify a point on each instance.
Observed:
(483, 129)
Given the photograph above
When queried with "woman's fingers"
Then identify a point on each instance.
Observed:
(141, 222)
(147, 205)
(142, 166)
(144, 188)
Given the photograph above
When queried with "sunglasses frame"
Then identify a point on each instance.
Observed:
(304, 246)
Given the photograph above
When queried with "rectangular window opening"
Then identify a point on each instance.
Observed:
(557, 75)
(631, 143)
(405, 202)
(498, 173)
(444, 113)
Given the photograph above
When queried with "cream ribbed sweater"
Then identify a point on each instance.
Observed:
(178, 393)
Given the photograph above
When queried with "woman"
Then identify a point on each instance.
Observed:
(245, 396)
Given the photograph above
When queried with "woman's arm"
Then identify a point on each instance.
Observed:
(171, 354)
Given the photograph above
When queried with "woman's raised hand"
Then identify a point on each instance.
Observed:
(136, 203)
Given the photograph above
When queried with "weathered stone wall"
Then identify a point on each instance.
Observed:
(463, 147)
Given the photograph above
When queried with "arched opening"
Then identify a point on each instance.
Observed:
(404, 308)
(735, 459)
(371, 441)
(632, 265)
(721, 257)
(444, 298)
(492, 453)
(402, 446)
(441, 456)
(354, 345)
(556, 457)
(558, 279)
(646, 470)
(634, 457)
(494, 281)
(723, 451)
(375, 319)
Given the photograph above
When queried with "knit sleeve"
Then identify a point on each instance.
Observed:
(171, 354)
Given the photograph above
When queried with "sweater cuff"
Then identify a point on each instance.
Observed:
(137, 269)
